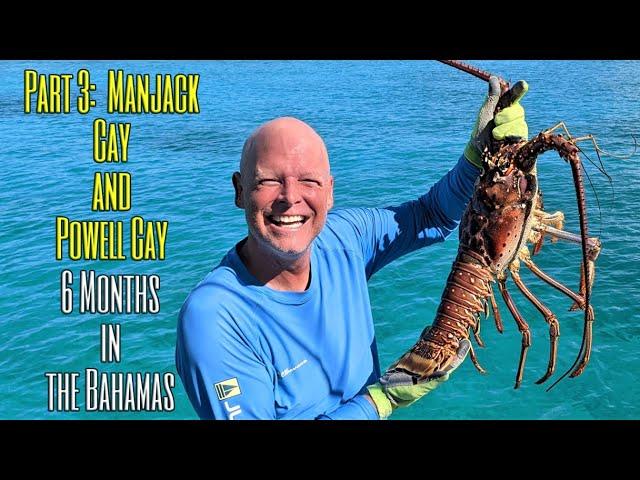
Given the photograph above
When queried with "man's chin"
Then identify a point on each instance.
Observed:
(289, 252)
(285, 250)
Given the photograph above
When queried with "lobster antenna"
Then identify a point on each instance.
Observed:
(581, 353)
(476, 72)
(576, 168)
(595, 193)
(602, 170)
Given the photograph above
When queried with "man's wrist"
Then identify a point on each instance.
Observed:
(472, 155)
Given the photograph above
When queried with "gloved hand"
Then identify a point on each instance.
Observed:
(397, 389)
(509, 122)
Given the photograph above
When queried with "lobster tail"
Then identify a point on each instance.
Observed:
(464, 297)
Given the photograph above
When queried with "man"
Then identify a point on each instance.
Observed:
(282, 328)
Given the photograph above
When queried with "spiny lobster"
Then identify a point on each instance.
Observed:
(505, 213)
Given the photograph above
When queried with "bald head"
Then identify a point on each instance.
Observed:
(288, 137)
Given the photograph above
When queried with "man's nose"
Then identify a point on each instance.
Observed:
(290, 192)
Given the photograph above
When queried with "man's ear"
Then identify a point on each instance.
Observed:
(237, 186)
(330, 200)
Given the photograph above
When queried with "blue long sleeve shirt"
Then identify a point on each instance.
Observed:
(246, 351)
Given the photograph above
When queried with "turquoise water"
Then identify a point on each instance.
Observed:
(392, 129)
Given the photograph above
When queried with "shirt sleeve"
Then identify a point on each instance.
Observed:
(386, 234)
(358, 408)
(221, 372)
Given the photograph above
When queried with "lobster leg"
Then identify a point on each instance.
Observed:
(474, 359)
(580, 301)
(522, 326)
(574, 140)
(593, 250)
(558, 126)
(496, 312)
(476, 332)
(549, 317)
(525, 257)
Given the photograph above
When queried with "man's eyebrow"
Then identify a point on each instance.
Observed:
(262, 174)
(313, 174)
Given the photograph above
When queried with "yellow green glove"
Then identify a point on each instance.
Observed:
(509, 123)
(398, 389)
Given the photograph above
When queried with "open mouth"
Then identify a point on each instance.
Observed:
(288, 221)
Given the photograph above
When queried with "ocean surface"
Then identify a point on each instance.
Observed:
(392, 128)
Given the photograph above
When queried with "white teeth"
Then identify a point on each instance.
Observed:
(288, 218)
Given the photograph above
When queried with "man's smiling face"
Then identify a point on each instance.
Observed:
(285, 186)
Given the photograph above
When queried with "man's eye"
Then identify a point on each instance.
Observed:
(311, 182)
(268, 182)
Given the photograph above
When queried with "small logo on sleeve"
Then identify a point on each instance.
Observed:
(227, 388)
